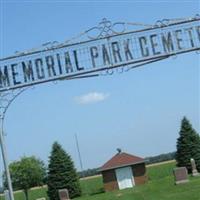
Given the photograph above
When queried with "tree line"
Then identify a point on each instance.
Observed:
(149, 160)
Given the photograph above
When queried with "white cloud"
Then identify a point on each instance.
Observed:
(91, 97)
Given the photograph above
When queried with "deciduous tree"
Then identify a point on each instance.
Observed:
(27, 173)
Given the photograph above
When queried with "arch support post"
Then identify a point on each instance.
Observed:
(6, 99)
(5, 161)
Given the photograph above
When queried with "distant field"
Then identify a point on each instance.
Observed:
(160, 187)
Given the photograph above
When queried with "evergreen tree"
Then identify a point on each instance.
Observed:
(62, 174)
(188, 146)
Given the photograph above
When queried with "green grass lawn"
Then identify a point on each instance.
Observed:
(160, 187)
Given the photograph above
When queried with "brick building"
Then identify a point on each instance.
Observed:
(123, 171)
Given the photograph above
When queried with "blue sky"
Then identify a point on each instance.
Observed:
(139, 111)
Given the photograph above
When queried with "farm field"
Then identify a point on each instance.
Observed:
(160, 187)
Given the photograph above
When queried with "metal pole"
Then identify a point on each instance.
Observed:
(6, 100)
(5, 160)
(79, 153)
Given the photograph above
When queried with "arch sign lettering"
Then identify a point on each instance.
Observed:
(107, 51)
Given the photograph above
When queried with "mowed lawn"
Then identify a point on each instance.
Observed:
(160, 187)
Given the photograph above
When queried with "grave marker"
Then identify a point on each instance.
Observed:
(194, 168)
(64, 194)
(181, 175)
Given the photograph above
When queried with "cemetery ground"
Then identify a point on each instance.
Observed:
(159, 187)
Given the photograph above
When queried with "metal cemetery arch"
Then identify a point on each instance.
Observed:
(109, 47)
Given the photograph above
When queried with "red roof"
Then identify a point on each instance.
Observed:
(121, 160)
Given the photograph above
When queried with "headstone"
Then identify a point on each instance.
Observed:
(194, 168)
(6, 193)
(41, 198)
(64, 194)
(181, 175)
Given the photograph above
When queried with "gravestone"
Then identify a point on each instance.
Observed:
(6, 193)
(41, 198)
(181, 175)
(64, 194)
(194, 168)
